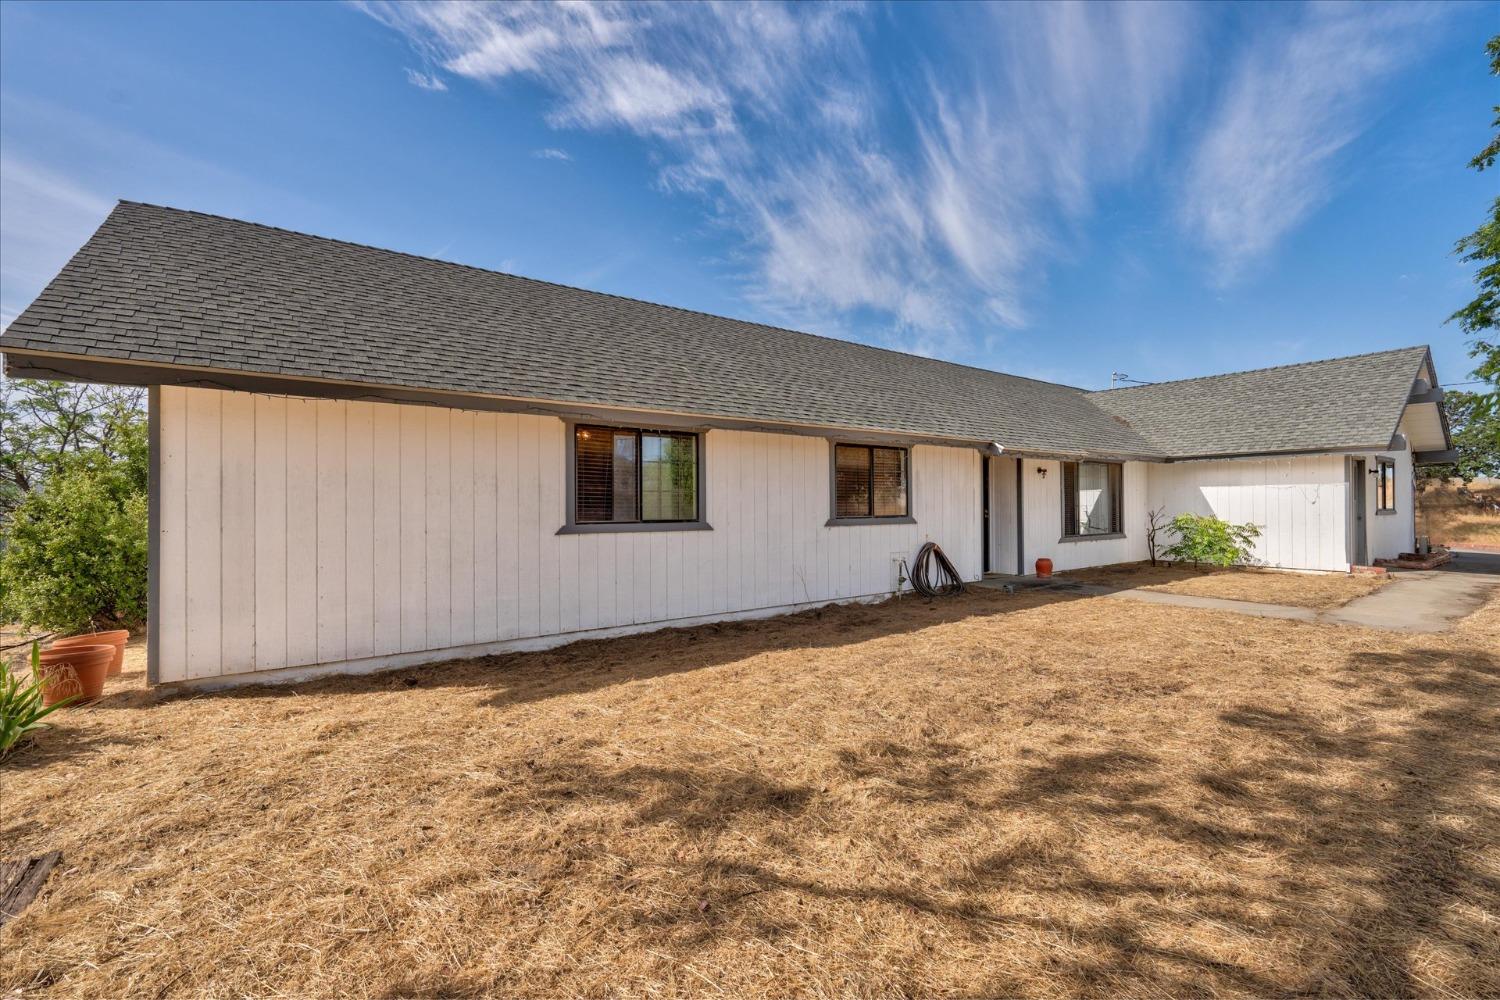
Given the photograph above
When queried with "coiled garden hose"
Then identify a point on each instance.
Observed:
(949, 584)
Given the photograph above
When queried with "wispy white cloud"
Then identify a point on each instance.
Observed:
(776, 115)
(605, 62)
(552, 153)
(425, 81)
(1295, 98)
(47, 217)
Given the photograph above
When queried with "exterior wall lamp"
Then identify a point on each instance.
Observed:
(1041, 470)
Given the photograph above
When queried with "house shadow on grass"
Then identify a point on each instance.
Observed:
(592, 664)
(1289, 851)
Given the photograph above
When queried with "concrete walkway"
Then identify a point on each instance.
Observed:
(1429, 600)
(1414, 600)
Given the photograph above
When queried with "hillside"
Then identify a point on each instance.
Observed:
(1451, 514)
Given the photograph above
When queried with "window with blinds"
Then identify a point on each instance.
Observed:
(1385, 486)
(1092, 499)
(624, 476)
(869, 481)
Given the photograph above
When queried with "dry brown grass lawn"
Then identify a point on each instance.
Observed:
(1023, 795)
(1300, 590)
(1448, 519)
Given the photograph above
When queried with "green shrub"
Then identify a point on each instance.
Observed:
(75, 551)
(21, 711)
(1210, 540)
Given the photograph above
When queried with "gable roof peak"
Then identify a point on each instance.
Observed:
(1415, 349)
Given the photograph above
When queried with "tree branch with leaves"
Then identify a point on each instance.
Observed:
(48, 426)
(1482, 247)
(74, 470)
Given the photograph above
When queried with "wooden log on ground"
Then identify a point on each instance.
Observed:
(20, 881)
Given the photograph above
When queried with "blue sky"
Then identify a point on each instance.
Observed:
(1057, 191)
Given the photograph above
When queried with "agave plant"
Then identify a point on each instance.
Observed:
(21, 709)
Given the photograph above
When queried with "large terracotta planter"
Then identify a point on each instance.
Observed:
(74, 671)
(1044, 567)
(118, 638)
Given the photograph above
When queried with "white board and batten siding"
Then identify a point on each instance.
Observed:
(1041, 512)
(1393, 532)
(298, 532)
(1298, 503)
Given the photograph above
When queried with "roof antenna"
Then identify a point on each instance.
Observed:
(1117, 377)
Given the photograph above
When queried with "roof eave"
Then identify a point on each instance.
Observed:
(32, 363)
(1433, 396)
(1352, 449)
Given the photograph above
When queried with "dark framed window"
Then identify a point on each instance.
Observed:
(1093, 499)
(1385, 486)
(870, 481)
(632, 476)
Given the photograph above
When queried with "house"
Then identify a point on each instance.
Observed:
(364, 459)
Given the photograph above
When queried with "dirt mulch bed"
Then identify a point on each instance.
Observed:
(1022, 795)
(1299, 590)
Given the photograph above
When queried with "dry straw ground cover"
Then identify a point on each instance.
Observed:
(1029, 795)
(1262, 586)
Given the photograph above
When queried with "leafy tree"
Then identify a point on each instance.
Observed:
(75, 553)
(73, 488)
(46, 425)
(1210, 540)
(1482, 247)
(1476, 438)
(1486, 157)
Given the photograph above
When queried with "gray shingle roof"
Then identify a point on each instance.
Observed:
(1353, 402)
(161, 285)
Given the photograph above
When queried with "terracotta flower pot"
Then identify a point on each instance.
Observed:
(1044, 567)
(118, 638)
(74, 670)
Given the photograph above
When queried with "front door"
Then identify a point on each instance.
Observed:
(1359, 553)
(984, 514)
